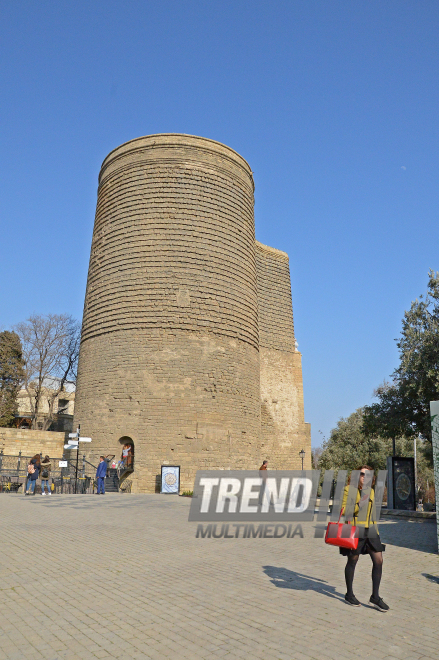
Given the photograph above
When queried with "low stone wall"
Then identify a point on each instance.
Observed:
(29, 442)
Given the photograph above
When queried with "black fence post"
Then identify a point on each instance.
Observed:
(1, 459)
(83, 466)
(19, 461)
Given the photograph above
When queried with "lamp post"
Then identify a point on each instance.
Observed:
(302, 456)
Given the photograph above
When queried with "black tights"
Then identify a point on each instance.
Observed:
(377, 570)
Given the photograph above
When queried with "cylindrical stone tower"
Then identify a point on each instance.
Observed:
(169, 353)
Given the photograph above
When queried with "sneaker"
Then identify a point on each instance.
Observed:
(49, 493)
(351, 600)
(379, 604)
(43, 493)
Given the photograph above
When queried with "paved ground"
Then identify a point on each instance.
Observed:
(123, 576)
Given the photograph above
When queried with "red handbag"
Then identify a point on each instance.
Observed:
(342, 535)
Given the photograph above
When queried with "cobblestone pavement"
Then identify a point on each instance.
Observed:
(123, 576)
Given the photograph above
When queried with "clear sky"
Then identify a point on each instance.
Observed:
(333, 103)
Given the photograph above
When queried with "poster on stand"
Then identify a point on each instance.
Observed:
(170, 479)
(403, 480)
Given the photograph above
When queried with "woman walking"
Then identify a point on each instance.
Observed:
(33, 470)
(369, 542)
(46, 466)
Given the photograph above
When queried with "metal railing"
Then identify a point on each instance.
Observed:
(125, 466)
(73, 478)
(13, 475)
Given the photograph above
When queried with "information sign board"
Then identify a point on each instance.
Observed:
(170, 479)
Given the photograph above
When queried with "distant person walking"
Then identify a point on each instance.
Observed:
(264, 490)
(369, 542)
(33, 471)
(100, 475)
(46, 467)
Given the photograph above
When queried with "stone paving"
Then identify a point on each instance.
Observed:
(123, 576)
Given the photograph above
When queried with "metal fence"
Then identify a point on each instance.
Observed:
(74, 478)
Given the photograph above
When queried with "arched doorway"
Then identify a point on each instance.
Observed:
(127, 454)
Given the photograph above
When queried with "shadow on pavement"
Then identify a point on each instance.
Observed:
(286, 579)
(420, 536)
(431, 578)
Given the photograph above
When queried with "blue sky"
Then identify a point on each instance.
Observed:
(334, 105)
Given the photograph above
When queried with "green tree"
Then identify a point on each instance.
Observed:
(349, 446)
(403, 406)
(11, 375)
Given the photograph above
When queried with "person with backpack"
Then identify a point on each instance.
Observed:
(46, 467)
(33, 470)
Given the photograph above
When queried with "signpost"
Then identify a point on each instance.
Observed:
(74, 444)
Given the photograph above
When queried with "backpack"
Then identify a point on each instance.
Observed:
(30, 469)
(45, 474)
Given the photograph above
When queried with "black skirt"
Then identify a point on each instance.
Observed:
(365, 544)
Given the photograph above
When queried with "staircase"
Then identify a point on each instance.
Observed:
(112, 481)
(125, 470)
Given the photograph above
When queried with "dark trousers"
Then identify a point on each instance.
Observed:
(101, 485)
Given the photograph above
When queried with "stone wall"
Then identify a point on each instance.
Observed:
(284, 432)
(29, 442)
(178, 328)
(169, 352)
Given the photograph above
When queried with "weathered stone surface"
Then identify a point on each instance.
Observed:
(29, 442)
(171, 353)
(284, 432)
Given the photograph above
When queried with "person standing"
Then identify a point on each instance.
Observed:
(46, 467)
(33, 470)
(263, 491)
(125, 451)
(369, 542)
(100, 475)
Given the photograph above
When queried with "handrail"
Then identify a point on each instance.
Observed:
(125, 468)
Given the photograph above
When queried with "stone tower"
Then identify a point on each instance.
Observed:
(173, 355)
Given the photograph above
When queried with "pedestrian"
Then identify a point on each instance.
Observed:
(129, 455)
(46, 467)
(33, 470)
(263, 490)
(125, 451)
(100, 475)
(369, 542)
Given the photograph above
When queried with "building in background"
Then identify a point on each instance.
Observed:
(63, 409)
(187, 351)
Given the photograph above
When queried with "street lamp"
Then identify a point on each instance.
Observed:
(302, 456)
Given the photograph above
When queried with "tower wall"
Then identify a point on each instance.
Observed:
(169, 351)
(284, 432)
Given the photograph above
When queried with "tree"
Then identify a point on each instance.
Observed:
(11, 375)
(349, 446)
(403, 405)
(50, 351)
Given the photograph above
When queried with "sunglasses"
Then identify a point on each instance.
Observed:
(362, 474)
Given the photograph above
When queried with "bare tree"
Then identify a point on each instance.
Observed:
(50, 352)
